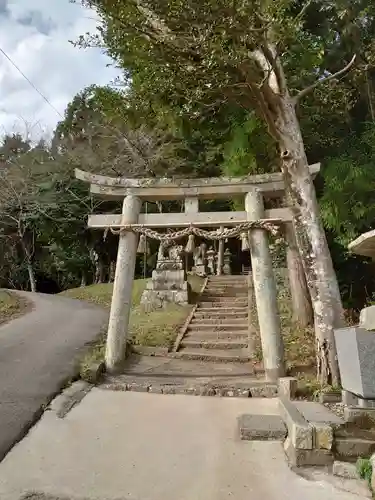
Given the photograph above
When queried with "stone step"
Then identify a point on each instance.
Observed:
(226, 291)
(215, 355)
(228, 301)
(261, 428)
(218, 286)
(317, 413)
(223, 310)
(190, 343)
(215, 335)
(349, 449)
(219, 314)
(220, 305)
(226, 276)
(218, 321)
(229, 284)
(226, 295)
(217, 327)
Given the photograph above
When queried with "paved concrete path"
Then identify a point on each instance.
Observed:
(137, 446)
(38, 353)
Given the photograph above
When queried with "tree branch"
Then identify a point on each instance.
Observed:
(308, 89)
(301, 13)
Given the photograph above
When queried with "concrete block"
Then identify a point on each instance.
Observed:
(349, 399)
(287, 387)
(261, 428)
(300, 433)
(352, 448)
(346, 470)
(302, 457)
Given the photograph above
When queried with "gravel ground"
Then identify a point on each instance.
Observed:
(337, 408)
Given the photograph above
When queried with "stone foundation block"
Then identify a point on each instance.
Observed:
(303, 457)
(323, 436)
(300, 433)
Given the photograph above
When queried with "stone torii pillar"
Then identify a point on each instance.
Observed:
(265, 291)
(122, 288)
(220, 255)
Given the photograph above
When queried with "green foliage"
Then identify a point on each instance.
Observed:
(249, 150)
(364, 469)
(348, 201)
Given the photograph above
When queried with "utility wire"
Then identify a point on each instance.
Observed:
(31, 83)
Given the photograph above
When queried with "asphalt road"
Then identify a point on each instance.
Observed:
(38, 354)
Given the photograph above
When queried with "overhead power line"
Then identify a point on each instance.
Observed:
(30, 83)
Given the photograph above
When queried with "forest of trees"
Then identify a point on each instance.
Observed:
(208, 88)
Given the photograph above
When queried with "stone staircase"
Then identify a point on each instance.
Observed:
(218, 330)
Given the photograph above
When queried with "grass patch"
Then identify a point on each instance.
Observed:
(157, 328)
(364, 469)
(11, 305)
(101, 294)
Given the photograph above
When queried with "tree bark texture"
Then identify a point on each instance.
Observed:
(300, 295)
(311, 239)
(32, 279)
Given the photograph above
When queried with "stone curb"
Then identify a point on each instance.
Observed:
(193, 391)
(69, 398)
(261, 427)
(300, 432)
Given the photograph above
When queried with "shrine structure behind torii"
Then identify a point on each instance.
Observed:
(254, 219)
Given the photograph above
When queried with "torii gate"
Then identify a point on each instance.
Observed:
(134, 191)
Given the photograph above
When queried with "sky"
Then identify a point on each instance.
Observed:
(35, 34)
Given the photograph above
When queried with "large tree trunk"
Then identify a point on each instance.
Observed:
(311, 239)
(99, 270)
(301, 300)
(83, 279)
(32, 279)
(29, 265)
(112, 270)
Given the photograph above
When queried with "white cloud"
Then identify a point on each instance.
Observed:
(36, 35)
